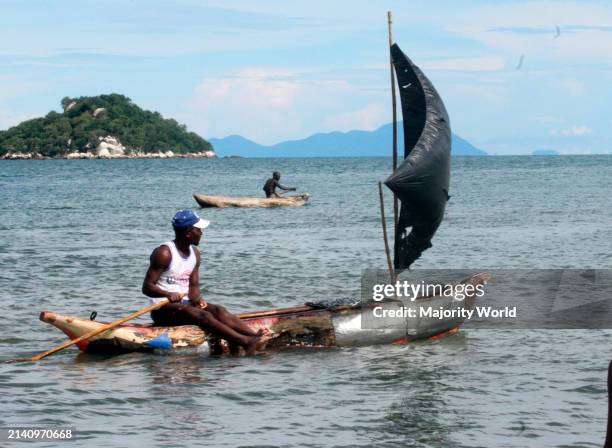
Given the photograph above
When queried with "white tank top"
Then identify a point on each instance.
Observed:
(176, 277)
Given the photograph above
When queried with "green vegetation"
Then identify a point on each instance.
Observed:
(86, 119)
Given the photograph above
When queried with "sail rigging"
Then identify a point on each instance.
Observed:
(421, 181)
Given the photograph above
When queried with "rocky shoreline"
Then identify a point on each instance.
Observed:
(89, 155)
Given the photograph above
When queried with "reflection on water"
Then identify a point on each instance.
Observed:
(78, 242)
(180, 369)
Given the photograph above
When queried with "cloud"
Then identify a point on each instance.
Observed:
(478, 64)
(471, 64)
(129, 28)
(551, 30)
(368, 118)
(572, 28)
(520, 30)
(574, 131)
(253, 87)
(572, 87)
(267, 105)
(586, 144)
(480, 93)
(529, 28)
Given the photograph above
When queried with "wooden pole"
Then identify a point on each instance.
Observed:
(295, 309)
(93, 333)
(394, 112)
(384, 227)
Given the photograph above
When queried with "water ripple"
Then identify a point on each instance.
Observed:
(477, 388)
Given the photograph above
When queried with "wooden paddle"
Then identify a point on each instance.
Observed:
(91, 333)
(284, 192)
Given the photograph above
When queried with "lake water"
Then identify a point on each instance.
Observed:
(76, 236)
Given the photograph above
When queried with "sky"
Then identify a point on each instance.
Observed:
(516, 76)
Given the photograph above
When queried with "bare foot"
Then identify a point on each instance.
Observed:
(265, 331)
(256, 344)
(251, 348)
(263, 343)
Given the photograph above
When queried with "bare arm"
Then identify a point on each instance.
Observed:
(285, 188)
(159, 261)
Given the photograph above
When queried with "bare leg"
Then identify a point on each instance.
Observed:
(257, 341)
(231, 320)
(207, 320)
(182, 314)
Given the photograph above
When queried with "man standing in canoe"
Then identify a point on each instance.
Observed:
(174, 274)
(271, 185)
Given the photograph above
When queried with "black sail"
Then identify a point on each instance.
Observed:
(421, 181)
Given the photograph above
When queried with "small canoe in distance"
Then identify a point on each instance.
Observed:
(226, 201)
(300, 327)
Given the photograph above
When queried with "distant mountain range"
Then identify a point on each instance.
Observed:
(331, 144)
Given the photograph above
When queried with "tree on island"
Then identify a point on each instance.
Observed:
(85, 120)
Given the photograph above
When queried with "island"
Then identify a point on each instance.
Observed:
(104, 126)
(544, 152)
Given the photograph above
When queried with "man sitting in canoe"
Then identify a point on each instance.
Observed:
(271, 185)
(174, 274)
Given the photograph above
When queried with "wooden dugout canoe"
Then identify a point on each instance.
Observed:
(300, 327)
(226, 201)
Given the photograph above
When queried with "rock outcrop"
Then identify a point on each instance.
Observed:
(110, 146)
(115, 152)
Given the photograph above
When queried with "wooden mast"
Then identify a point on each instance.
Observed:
(384, 228)
(380, 189)
(394, 112)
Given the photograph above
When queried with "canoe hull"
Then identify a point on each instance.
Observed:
(343, 327)
(226, 201)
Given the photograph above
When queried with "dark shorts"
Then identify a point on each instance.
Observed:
(171, 315)
(183, 314)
